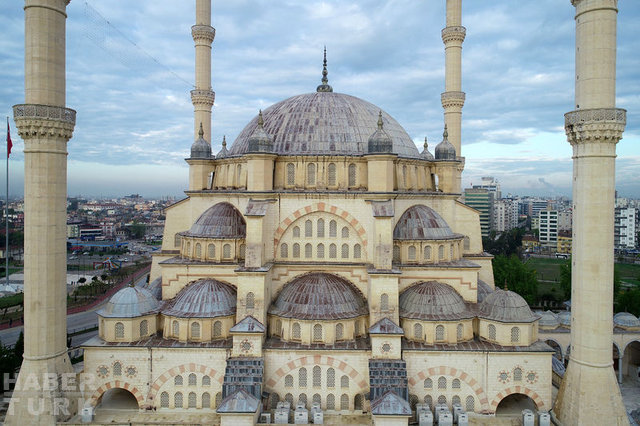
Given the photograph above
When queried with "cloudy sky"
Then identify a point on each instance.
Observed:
(130, 68)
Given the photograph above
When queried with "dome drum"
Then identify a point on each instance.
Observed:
(427, 252)
(438, 331)
(508, 334)
(213, 250)
(128, 329)
(197, 329)
(325, 332)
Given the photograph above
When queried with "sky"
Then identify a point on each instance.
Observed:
(130, 67)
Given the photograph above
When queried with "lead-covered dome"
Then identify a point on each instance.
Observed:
(130, 302)
(222, 220)
(433, 301)
(506, 306)
(625, 319)
(548, 319)
(420, 222)
(205, 298)
(324, 123)
(319, 296)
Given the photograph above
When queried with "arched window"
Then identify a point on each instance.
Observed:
(296, 250)
(333, 228)
(308, 229)
(429, 401)
(188, 248)
(467, 243)
(144, 328)
(211, 251)
(517, 374)
(206, 381)
(117, 369)
(217, 329)
(455, 400)
(278, 330)
(296, 232)
(344, 402)
(250, 301)
(333, 251)
(396, 253)
(284, 250)
(331, 402)
(356, 328)
(492, 332)
(345, 232)
(295, 331)
(317, 377)
(441, 252)
(177, 381)
(442, 382)
(357, 251)
(177, 239)
(412, 253)
(515, 334)
(442, 399)
(345, 251)
(384, 302)
(417, 331)
(320, 251)
(427, 252)
(226, 251)
(332, 174)
(455, 384)
(311, 174)
(344, 382)
(242, 251)
(198, 250)
(451, 257)
(218, 398)
(308, 251)
(320, 228)
(119, 330)
(288, 381)
(195, 330)
(440, 333)
(289, 398)
(176, 329)
(192, 380)
(316, 398)
(352, 175)
(238, 173)
(206, 400)
(331, 378)
(302, 377)
(470, 404)
(291, 174)
(460, 332)
(177, 400)
(404, 176)
(339, 331)
(164, 400)
(302, 399)
(357, 402)
(428, 384)
(317, 333)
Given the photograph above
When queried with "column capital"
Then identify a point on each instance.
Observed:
(595, 125)
(44, 120)
(203, 33)
(450, 34)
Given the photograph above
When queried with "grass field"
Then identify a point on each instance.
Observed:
(548, 269)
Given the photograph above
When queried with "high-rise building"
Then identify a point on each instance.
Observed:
(626, 228)
(481, 200)
(505, 214)
(548, 228)
(491, 184)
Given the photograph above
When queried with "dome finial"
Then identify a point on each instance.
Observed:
(445, 134)
(380, 123)
(224, 141)
(426, 145)
(324, 87)
(201, 131)
(260, 120)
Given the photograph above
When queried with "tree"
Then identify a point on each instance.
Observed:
(565, 280)
(137, 230)
(509, 271)
(508, 243)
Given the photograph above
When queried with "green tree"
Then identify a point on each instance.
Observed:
(509, 271)
(565, 279)
(137, 230)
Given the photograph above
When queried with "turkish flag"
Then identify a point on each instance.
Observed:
(9, 143)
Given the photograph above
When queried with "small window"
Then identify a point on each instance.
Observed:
(316, 398)
(302, 377)
(404, 176)
(331, 378)
(460, 332)
(289, 398)
(428, 384)
(320, 251)
(206, 381)
(517, 374)
(515, 334)
(288, 381)
(226, 251)
(117, 369)
(332, 174)
(192, 380)
(217, 329)
(333, 229)
(331, 402)
(317, 333)
(442, 399)
(311, 174)
(238, 173)
(278, 330)
(492, 332)
(352, 175)
(176, 329)
(177, 239)
(291, 174)
(295, 331)
(470, 404)
(455, 384)
(339, 331)
(429, 401)
(357, 328)
(417, 331)
(308, 229)
(412, 253)
(441, 253)
(357, 402)
(345, 232)
(357, 251)
(164, 400)
(296, 250)
(308, 251)
(320, 228)
(144, 328)
(442, 382)
(467, 243)
(333, 251)
(296, 232)
(451, 256)
(344, 402)
(198, 250)
(427, 252)
(211, 251)
(119, 330)
(440, 333)
(396, 253)
(218, 398)
(188, 248)
(284, 251)
(177, 400)
(195, 330)
(302, 399)
(177, 381)
(250, 303)
(384, 302)
(455, 400)
(242, 251)
(206, 400)
(317, 377)
(344, 382)
(345, 251)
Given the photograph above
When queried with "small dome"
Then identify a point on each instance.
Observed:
(432, 301)
(222, 220)
(130, 302)
(548, 319)
(260, 141)
(625, 319)
(425, 154)
(565, 318)
(506, 306)
(445, 150)
(201, 148)
(319, 296)
(420, 222)
(380, 142)
(483, 290)
(224, 152)
(205, 298)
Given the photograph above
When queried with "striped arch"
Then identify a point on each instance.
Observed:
(319, 207)
(312, 360)
(116, 384)
(457, 374)
(184, 368)
(517, 389)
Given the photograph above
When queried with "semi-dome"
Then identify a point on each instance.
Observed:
(324, 123)
(506, 306)
(205, 298)
(319, 296)
(483, 290)
(565, 318)
(201, 148)
(433, 301)
(221, 220)
(548, 319)
(445, 150)
(130, 302)
(420, 222)
(625, 319)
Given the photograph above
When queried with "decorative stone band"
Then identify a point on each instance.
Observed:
(35, 120)
(598, 124)
(452, 99)
(203, 33)
(203, 97)
(453, 34)
(597, 5)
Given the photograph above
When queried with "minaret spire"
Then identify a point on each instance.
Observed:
(324, 87)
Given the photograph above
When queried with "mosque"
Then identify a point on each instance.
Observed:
(321, 262)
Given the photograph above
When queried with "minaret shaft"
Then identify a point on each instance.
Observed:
(202, 96)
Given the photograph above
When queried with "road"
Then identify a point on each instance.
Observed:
(79, 321)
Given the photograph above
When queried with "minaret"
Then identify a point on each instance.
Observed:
(202, 96)
(45, 125)
(589, 394)
(453, 98)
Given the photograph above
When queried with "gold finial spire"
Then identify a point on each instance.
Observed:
(380, 123)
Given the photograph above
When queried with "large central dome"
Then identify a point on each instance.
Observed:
(325, 123)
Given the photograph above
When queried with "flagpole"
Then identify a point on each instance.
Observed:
(6, 214)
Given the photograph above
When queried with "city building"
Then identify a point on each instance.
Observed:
(565, 220)
(626, 228)
(564, 242)
(548, 228)
(530, 244)
(491, 184)
(481, 200)
(505, 214)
